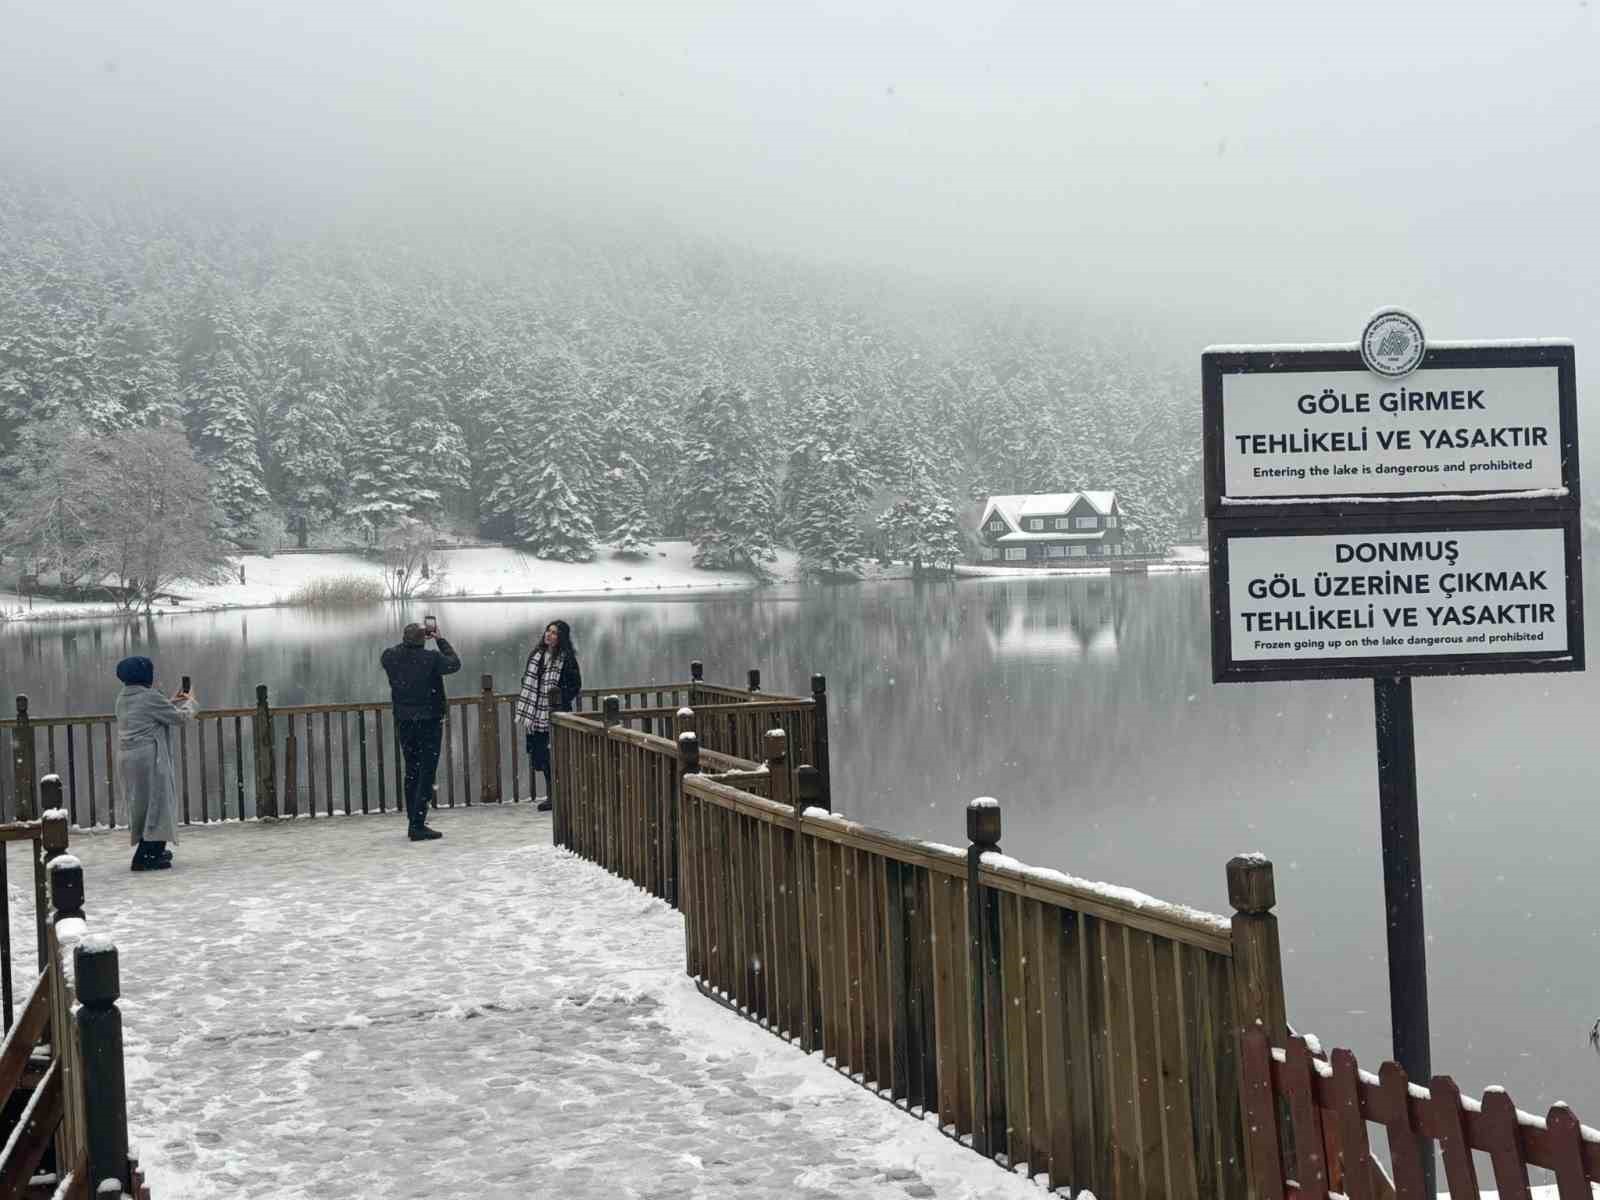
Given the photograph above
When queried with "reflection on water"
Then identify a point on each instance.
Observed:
(1086, 706)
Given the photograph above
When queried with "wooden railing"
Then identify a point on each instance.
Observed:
(1322, 1148)
(620, 786)
(1084, 1030)
(316, 760)
(62, 1080)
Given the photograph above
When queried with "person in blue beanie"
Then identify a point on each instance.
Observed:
(147, 762)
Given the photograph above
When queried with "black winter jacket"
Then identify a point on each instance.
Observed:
(416, 679)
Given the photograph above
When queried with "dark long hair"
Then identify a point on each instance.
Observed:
(563, 639)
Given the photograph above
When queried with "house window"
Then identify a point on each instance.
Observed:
(1035, 523)
(1086, 522)
(1111, 522)
(997, 525)
(1077, 551)
(1016, 553)
(1063, 523)
(988, 554)
(1055, 551)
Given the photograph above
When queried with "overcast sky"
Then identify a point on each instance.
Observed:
(1252, 169)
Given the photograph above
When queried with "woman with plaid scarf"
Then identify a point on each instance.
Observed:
(553, 664)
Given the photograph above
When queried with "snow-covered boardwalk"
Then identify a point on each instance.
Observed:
(332, 1011)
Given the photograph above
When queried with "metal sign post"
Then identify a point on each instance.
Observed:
(1389, 509)
(1402, 884)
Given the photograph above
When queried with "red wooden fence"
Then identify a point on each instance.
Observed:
(1307, 1129)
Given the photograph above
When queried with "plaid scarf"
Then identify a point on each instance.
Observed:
(538, 677)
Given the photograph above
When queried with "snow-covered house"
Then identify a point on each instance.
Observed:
(1044, 529)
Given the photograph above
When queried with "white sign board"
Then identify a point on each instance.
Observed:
(1448, 430)
(1344, 596)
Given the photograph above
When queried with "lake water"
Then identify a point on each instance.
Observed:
(1086, 706)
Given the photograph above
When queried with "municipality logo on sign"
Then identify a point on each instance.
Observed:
(1392, 343)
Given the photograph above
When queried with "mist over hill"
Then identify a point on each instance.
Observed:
(547, 377)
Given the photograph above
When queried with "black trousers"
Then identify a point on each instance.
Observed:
(538, 742)
(419, 746)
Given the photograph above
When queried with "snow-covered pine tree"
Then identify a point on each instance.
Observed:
(503, 467)
(220, 406)
(921, 529)
(728, 504)
(383, 483)
(308, 433)
(554, 523)
(825, 488)
(630, 532)
(136, 379)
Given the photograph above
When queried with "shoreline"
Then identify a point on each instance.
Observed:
(480, 575)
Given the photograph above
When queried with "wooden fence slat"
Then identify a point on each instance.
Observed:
(238, 765)
(1503, 1143)
(1174, 1058)
(1036, 1011)
(1404, 1156)
(327, 763)
(361, 740)
(344, 746)
(72, 780)
(183, 766)
(1310, 1169)
(111, 781)
(1262, 1110)
(222, 771)
(1566, 1144)
(466, 756)
(1445, 1100)
(1358, 1160)
(1012, 988)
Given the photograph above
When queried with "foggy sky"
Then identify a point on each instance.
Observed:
(1241, 171)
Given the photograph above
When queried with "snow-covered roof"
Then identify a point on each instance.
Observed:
(1013, 509)
(1059, 536)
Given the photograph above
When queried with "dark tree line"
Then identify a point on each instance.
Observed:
(564, 389)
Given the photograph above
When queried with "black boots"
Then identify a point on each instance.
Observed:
(544, 805)
(152, 856)
(421, 833)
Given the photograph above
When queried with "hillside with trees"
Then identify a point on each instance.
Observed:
(561, 387)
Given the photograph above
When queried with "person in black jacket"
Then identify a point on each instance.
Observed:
(416, 686)
(553, 664)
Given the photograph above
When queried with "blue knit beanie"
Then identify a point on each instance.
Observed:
(137, 671)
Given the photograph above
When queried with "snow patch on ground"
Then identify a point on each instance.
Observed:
(329, 1011)
(468, 572)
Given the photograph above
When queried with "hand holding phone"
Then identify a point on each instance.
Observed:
(430, 626)
(185, 688)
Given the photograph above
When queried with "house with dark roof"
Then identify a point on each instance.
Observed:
(1055, 529)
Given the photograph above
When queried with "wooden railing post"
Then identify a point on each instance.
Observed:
(66, 888)
(23, 765)
(988, 1019)
(489, 791)
(689, 764)
(1258, 999)
(819, 716)
(100, 1052)
(775, 750)
(261, 725)
(611, 801)
(807, 788)
(53, 836)
(1257, 957)
(291, 770)
(804, 968)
